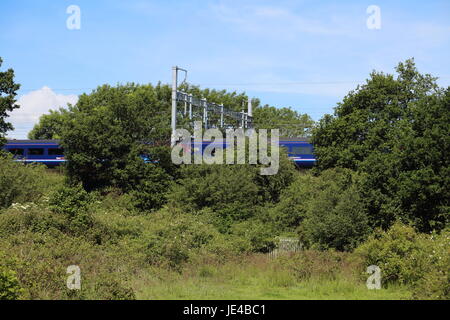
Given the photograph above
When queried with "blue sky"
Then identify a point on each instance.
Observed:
(302, 54)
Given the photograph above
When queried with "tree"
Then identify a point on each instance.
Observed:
(291, 123)
(107, 131)
(50, 125)
(8, 89)
(394, 131)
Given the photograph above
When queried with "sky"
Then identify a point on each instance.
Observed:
(302, 54)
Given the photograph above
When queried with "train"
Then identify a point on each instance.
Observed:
(51, 153)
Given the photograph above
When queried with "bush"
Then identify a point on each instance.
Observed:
(290, 211)
(260, 235)
(73, 202)
(228, 190)
(326, 210)
(108, 287)
(41, 260)
(315, 264)
(271, 186)
(435, 284)
(149, 193)
(335, 220)
(399, 253)
(407, 257)
(20, 183)
(174, 237)
(31, 218)
(70, 200)
(9, 285)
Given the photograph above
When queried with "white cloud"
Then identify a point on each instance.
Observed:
(32, 106)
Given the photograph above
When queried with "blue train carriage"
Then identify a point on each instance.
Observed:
(48, 152)
(300, 151)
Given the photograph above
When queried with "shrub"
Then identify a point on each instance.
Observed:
(149, 193)
(395, 252)
(41, 260)
(9, 285)
(31, 218)
(326, 210)
(108, 287)
(271, 186)
(228, 190)
(70, 200)
(315, 264)
(435, 283)
(290, 211)
(73, 202)
(260, 235)
(407, 257)
(20, 183)
(173, 237)
(335, 220)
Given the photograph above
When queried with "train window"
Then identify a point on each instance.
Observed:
(35, 152)
(16, 152)
(302, 150)
(55, 151)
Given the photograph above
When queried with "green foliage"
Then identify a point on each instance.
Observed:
(290, 123)
(395, 132)
(107, 131)
(271, 186)
(174, 237)
(70, 200)
(107, 287)
(435, 283)
(50, 125)
(260, 235)
(20, 183)
(148, 188)
(228, 190)
(8, 92)
(74, 203)
(39, 245)
(327, 210)
(30, 218)
(9, 285)
(396, 252)
(335, 216)
(315, 264)
(407, 257)
(233, 192)
(291, 210)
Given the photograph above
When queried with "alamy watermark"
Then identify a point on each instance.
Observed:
(258, 152)
(374, 280)
(74, 279)
(374, 20)
(73, 22)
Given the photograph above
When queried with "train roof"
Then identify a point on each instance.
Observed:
(14, 141)
(26, 141)
(302, 139)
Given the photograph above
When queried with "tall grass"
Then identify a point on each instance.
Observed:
(255, 277)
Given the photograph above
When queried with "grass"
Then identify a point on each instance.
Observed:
(261, 280)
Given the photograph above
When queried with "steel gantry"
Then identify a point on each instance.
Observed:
(213, 115)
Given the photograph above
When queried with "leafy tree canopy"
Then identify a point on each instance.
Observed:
(291, 123)
(394, 130)
(8, 89)
(50, 125)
